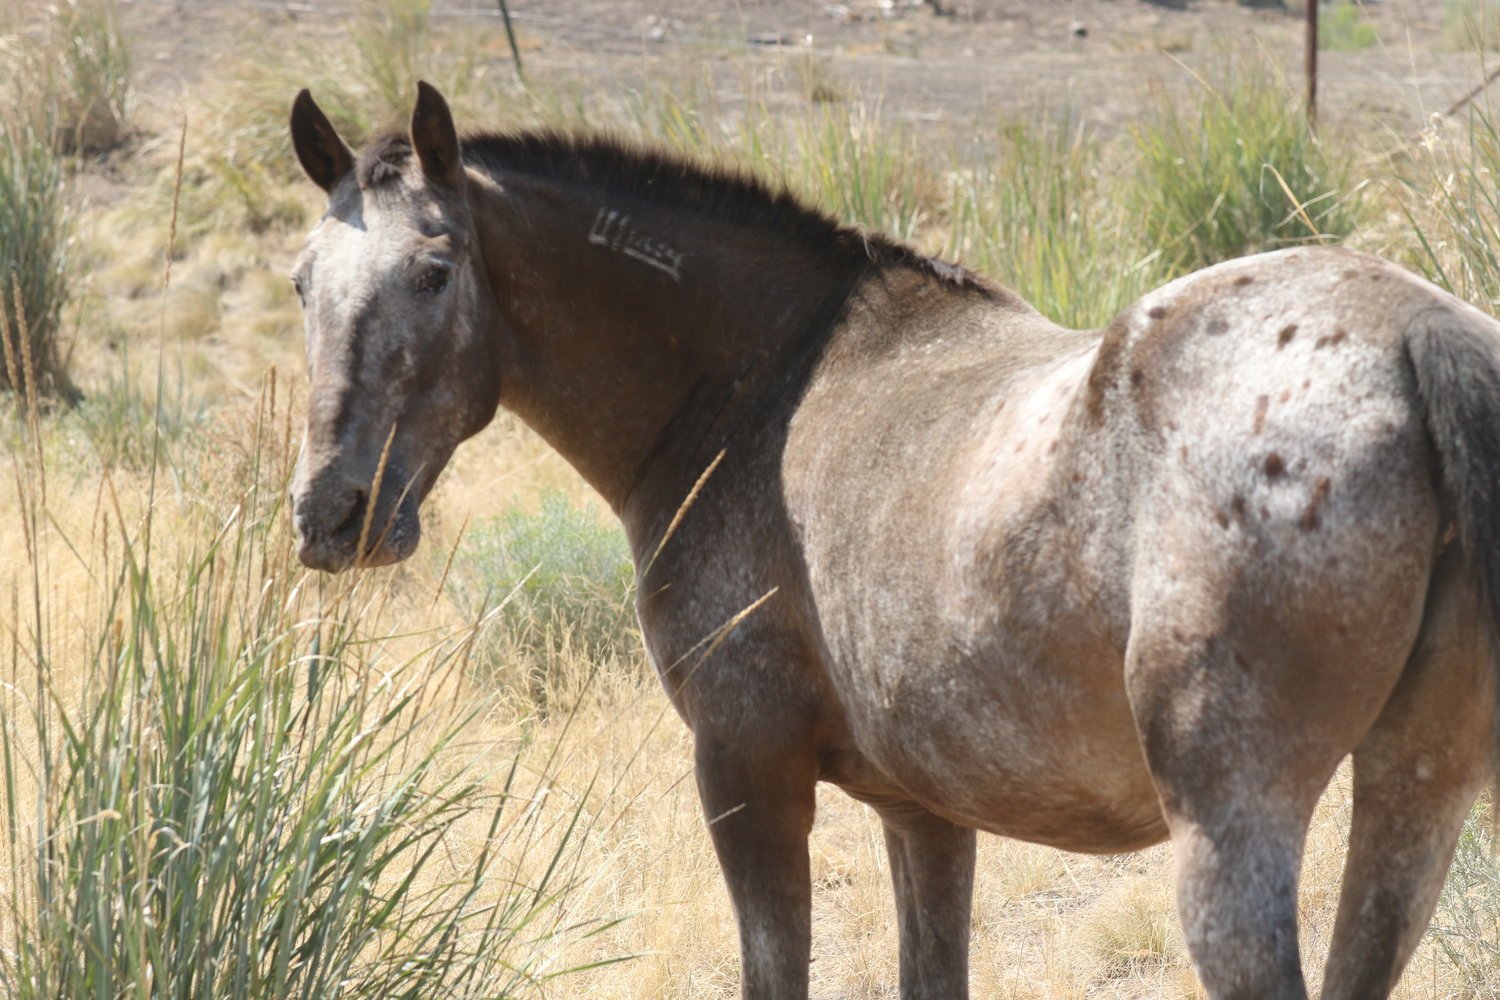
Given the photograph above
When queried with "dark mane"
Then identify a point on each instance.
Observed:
(723, 194)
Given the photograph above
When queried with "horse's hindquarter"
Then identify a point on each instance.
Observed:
(955, 563)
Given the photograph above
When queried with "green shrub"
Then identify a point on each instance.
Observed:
(1345, 28)
(556, 591)
(34, 233)
(1236, 170)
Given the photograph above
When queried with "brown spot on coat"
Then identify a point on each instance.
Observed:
(1137, 377)
(1333, 340)
(1222, 518)
(1286, 394)
(1285, 336)
(1217, 327)
(1243, 280)
(1262, 403)
(1274, 465)
(1310, 518)
(1157, 312)
(1238, 506)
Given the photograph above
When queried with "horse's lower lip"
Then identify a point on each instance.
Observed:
(389, 542)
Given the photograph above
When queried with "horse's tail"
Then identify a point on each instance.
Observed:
(1456, 359)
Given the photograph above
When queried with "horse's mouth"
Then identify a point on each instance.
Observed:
(390, 535)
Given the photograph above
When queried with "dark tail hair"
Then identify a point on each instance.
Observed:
(1456, 359)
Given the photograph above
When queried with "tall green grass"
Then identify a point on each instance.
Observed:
(34, 237)
(217, 783)
(1449, 196)
(1037, 211)
(1237, 170)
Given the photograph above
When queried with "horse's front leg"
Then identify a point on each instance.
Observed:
(932, 870)
(758, 800)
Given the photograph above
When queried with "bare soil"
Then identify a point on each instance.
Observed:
(959, 62)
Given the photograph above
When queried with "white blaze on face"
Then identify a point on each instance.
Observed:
(363, 275)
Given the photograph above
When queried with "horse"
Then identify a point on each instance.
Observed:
(895, 530)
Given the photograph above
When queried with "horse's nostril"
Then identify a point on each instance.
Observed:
(355, 518)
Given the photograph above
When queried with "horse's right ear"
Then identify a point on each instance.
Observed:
(324, 155)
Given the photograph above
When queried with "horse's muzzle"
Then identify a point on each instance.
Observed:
(331, 519)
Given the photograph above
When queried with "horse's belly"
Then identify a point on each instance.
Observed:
(1050, 757)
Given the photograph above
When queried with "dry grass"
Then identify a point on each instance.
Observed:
(1047, 924)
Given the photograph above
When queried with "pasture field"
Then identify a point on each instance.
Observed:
(223, 775)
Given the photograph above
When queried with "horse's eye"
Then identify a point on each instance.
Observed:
(434, 279)
(297, 287)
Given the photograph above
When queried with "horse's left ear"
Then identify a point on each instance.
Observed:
(434, 137)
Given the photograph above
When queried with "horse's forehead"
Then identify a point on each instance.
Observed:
(366, 236)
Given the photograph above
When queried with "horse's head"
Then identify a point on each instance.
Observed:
(399, 324)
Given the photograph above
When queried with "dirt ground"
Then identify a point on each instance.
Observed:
(973, 61)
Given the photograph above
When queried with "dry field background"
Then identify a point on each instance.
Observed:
(224, 776)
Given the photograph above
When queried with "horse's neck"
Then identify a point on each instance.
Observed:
(630, 330)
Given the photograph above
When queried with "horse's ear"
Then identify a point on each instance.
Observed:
(324, 155)
(434, 137)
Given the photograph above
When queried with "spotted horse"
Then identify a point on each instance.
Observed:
(896, 531)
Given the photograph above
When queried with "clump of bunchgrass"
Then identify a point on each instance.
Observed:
(554, 589)
(1035, 211)
(71, 68)
(1236, 169)
(128, 428)
(245, 795)
(862, 169)
(34, 234)
(1452, 205)
(92, 67)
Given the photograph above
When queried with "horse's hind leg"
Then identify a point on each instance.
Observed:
(1416, 775)
(932, 869)
(1237, 830)
(1243, 717)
